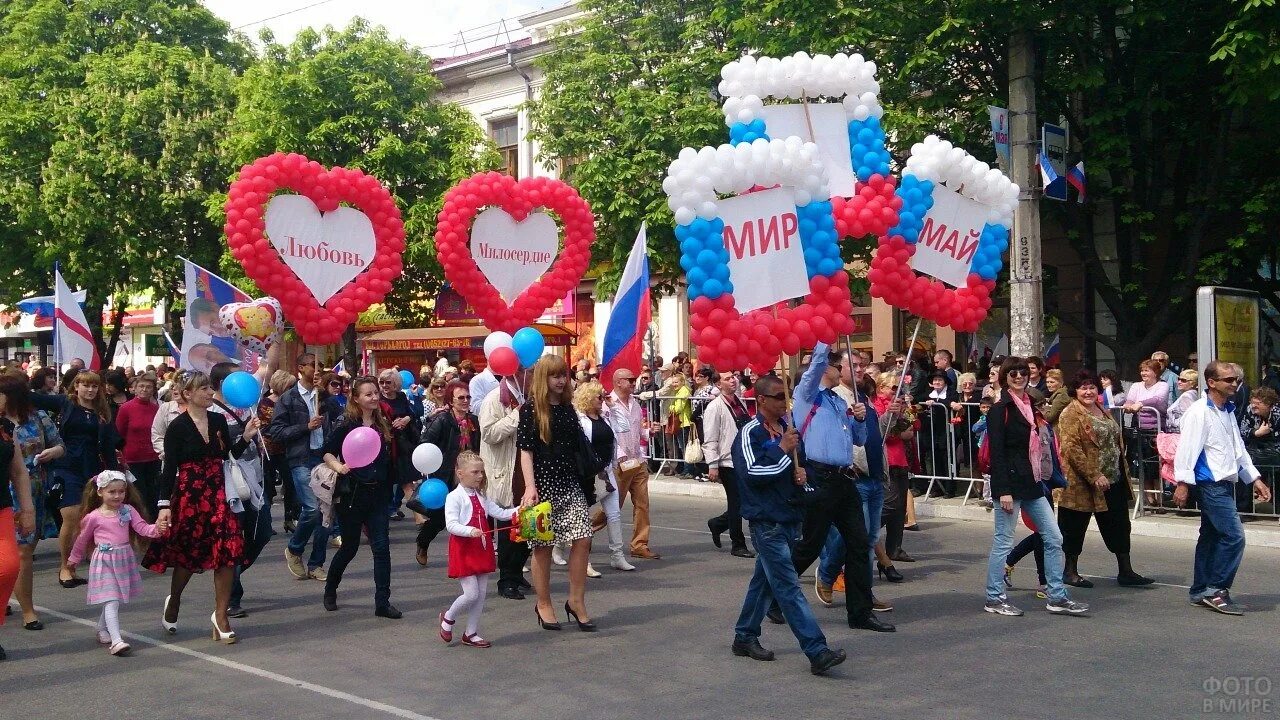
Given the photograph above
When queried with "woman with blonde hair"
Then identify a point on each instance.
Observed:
(1188, 393)
(550, 441)
(91, 440)
(597, 415)
(205, 532)
(1058, 398)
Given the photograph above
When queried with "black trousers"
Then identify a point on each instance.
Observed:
(1114, 524)
(839, 505)
(148, 479)
(511, 559)
(731, 519)
(894, 516)
(428, 530)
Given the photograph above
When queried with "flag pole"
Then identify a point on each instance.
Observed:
(898, 393)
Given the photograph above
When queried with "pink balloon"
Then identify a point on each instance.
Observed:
(361, 447)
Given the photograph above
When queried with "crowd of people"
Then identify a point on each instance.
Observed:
(825, 473)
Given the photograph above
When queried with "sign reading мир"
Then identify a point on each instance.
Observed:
(766, 259)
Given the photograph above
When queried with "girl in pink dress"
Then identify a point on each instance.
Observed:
(471, 561)
(110, 524)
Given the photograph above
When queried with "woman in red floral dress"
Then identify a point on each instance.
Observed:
(204, 534)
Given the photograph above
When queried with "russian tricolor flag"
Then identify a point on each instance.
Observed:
(1075, 176)
(1053, 356)
(629, 320)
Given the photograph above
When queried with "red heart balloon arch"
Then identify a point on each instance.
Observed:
(518, 198)
(246, 235)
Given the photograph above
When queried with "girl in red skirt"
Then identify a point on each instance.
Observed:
(471, 560)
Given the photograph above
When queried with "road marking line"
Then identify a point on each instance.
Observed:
(251, 670)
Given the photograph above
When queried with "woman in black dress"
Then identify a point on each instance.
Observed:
(453, 431)
(363, 497)
(550, 438)
(205, 534)
(89, 434)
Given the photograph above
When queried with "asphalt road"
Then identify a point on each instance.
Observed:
(663, 649)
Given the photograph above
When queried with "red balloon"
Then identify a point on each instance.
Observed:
(504, 361)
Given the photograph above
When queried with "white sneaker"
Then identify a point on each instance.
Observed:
(119, 648)
(557, 557)
(592, 572)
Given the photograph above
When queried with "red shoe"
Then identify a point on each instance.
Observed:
(446, 635)
(476, 641)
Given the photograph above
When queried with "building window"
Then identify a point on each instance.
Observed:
(506, 135)
(565, 168)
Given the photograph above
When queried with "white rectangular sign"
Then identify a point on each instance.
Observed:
(949, 237)
(830, 132)
(766, 259)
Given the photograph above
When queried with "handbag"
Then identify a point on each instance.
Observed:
(238, 481)
(693, 449)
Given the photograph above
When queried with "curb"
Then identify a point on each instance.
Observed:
(1257, 534)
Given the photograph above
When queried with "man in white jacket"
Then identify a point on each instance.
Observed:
(1211, 459)
(499, 417)
(721, 420)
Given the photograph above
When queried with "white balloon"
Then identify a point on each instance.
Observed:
(496, 339)
(684, 215)
(427, 458)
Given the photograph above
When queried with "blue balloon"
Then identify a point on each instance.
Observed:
(406, 379)
(432, 493)
(528, 344)
(713, 288)
(241, 390)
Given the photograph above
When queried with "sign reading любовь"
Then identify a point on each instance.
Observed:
(325, 250)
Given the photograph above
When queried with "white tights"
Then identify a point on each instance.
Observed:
(109, 620)
(471, 601)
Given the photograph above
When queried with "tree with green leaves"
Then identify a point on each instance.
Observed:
(359, 99)
(624, 92)
(111, 109)
(1173, 105)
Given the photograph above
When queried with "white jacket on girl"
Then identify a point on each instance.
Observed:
(458, 510)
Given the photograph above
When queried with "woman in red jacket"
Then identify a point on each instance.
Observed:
(133, 422)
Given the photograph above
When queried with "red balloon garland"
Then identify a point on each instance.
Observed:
(246, 235)
(518, 198)
(730, 340)
(893, 280)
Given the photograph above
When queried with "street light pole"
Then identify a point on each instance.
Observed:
(1026, 301)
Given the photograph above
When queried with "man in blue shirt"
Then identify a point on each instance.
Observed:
(765, 455)
(829, 428)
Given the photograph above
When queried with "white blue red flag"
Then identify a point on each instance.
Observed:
(1075, 176)
(205, 342)
(340, 368)
(72, 339)
(1053, 356)
(629, 320)
(42, 306)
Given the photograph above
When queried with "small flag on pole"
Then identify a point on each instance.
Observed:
(340, 368)
(1075, 176)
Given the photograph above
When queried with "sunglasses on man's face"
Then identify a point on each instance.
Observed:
(385, 382)
(1233, 380)
(775, 396)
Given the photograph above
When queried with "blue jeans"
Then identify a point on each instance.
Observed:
(831, 561)
(256, 528)
(1041, 513)
(775, 577)
(1221, 545)
(309, 527)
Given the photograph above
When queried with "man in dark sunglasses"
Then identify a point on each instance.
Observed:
(767, 455)
(1211, 458)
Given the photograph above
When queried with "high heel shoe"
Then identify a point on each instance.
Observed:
(543, 623)
(169, 627)
(226, 638)
(890, 573)
(583, 626)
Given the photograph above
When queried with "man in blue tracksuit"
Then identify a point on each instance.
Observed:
(769, 480)
(829, 429)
